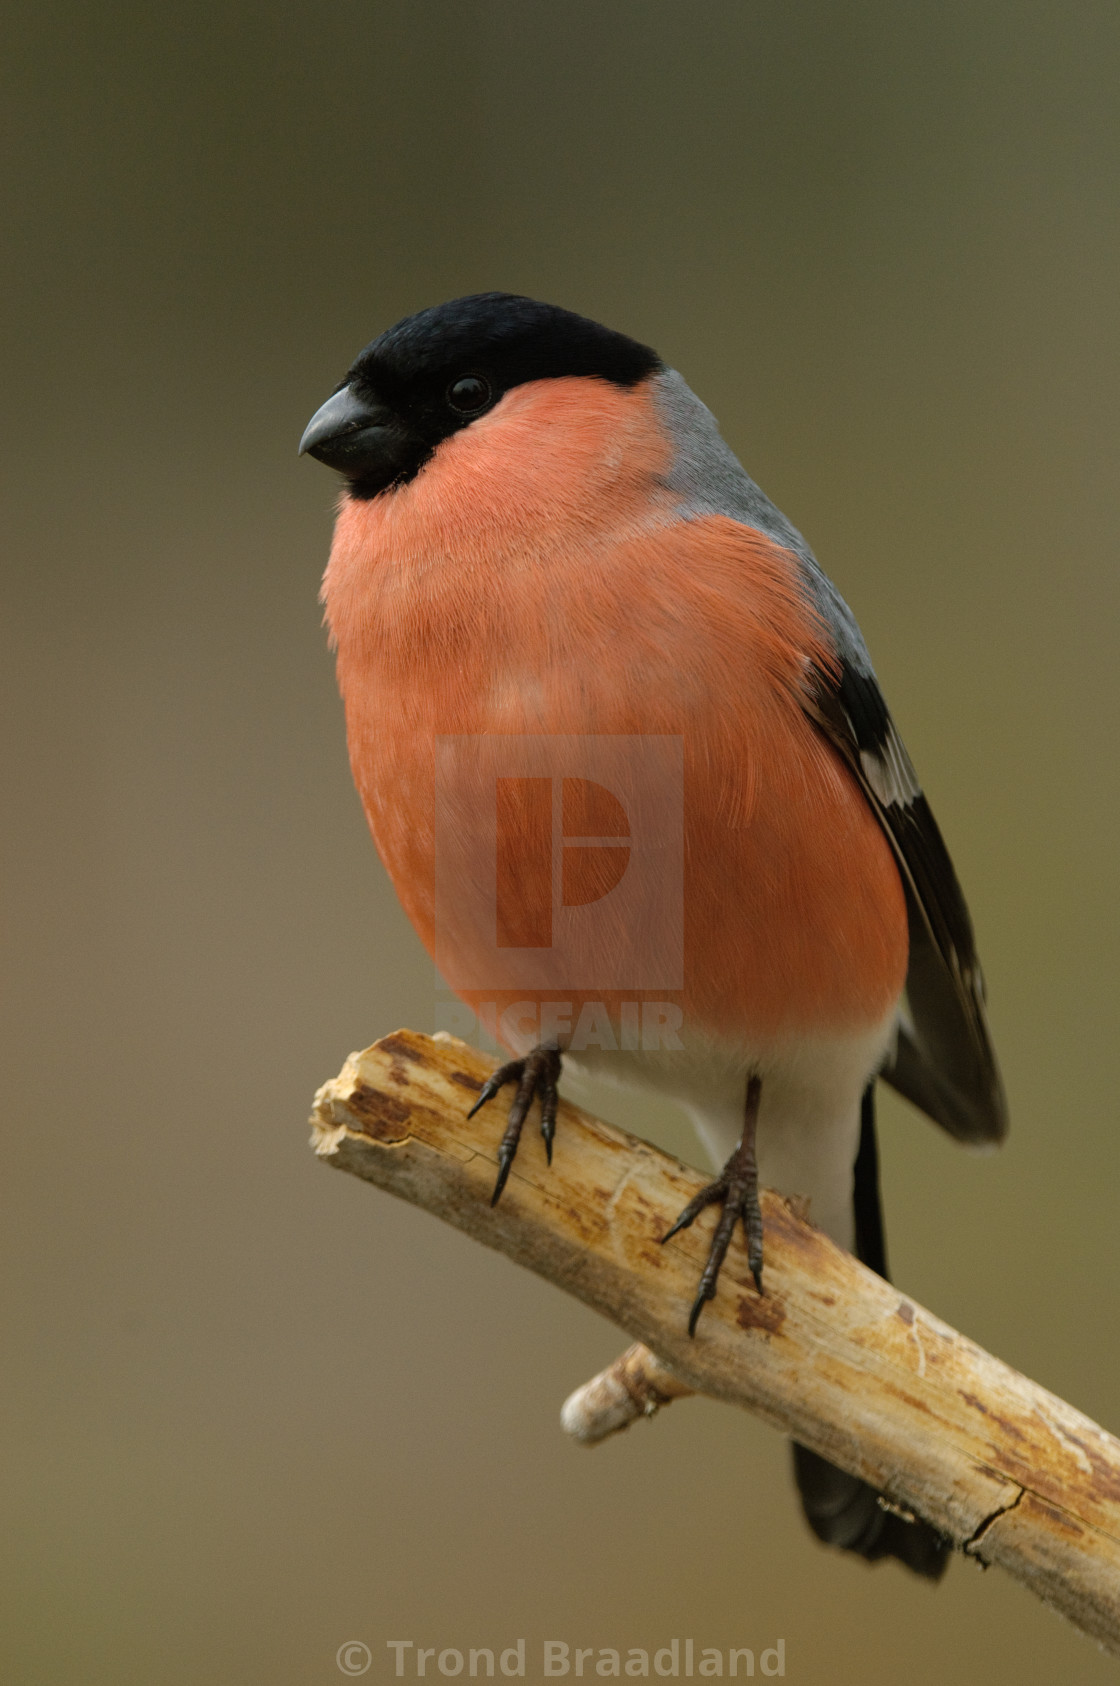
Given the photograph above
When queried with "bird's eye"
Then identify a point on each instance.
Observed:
(468, 395)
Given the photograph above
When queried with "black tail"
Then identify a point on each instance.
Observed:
(841, 1509)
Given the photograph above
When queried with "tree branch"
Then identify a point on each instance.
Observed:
(830, 1353)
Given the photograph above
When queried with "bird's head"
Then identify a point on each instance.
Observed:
(438, 372)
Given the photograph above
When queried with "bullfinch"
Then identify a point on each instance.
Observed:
(624, 755)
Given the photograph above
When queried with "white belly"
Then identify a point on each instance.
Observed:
(809, 1119)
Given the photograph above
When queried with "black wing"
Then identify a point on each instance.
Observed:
(944, 1061)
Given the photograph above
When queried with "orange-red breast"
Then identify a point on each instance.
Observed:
(568, 624)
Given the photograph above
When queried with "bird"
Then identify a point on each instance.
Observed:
(622, 749)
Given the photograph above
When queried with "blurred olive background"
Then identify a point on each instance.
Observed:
(254, 1410)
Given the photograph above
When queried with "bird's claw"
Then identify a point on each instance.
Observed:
(537, 1074)
(736, 1190)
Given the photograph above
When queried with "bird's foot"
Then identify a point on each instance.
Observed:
(535, 1075)
(736, 1189)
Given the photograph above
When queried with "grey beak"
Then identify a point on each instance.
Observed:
(333, 432)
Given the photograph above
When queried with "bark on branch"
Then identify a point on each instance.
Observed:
(830, 1354)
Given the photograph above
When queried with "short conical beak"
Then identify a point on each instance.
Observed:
(349, 433)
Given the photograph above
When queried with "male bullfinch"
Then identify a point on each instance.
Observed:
(557, 599)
